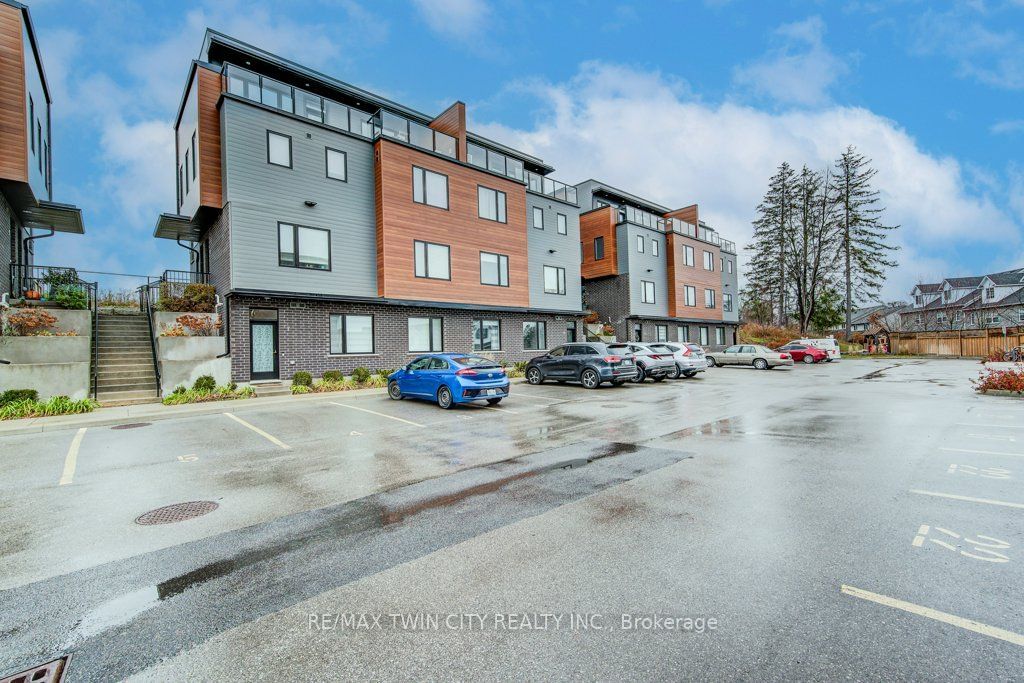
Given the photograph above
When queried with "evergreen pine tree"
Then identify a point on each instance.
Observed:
(863, 251)
(768, 246)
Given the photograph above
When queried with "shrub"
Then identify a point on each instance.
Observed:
(1000, 380)
(221, 393)
(994, 357)
(12, 395)
(194, 298)
(376, 381)
(205, 383)
(180, 389)
(122, 298)
(301, 389)
(333, 375)
(384, 372)
(60, 278)
(302, 378)
(361, 374)
(29, 321)
(57, 405)
(198, 325)
(771, 336)
(340, 385)
(72, 297)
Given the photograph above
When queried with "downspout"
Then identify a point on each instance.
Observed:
(226, 327)
(192, 249)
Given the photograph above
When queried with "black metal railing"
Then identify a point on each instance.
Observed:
(169, 285)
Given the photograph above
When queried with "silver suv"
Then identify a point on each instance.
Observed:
(651, 363)
(687, 362)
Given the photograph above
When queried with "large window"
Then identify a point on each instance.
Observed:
(728, 265)
(683, 332)
(432, 260)
(687, 255)
(351, 334)
(646, 292)
(425, 334)
(709, 261)
(703, 336)
(554, 280)
(598, 248)
(490, 204)
(691, 295)
(727, 303)
(486, 335)
(429, 187)
(493, 269)
(720, 336)
(639, 244)
(563, 224)
(279, 149)
(302, 247)
(535, 336)
(661, 333)
(709, 298)
(337, 164)
(538, 218)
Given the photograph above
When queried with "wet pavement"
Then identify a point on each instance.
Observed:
(354, 535)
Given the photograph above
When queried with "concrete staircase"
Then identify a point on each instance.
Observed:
(125, 355)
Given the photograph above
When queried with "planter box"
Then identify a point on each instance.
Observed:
(44, 350)
(1003, 392)
(68, 320)
(169, 319)
(186, 372)
(49, 379)
(188, 348)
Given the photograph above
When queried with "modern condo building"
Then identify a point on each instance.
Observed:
(342, 229)
(653, 273)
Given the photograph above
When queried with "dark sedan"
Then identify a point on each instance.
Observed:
(589, 363)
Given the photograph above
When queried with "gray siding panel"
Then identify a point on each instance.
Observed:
(645, 266)
(730, 285)
(34, 89)
(566, 248)
(260, 195)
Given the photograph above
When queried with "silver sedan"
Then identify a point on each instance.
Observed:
(761, 357)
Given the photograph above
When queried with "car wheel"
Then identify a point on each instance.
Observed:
(809, 359)
(533, 376)
(394, 391)
(590, 379)
(711, 361)
(493, 401)
(690, 373)
(676, 373)
(760, 364)
(640, 375)
(444, 398)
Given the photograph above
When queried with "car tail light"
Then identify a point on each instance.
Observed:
(686, 351)
(466, 372)
(613, 359)
(783, 356)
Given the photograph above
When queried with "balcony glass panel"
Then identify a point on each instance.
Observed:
(243, 83)
(361, 123)
(277, 95)
(309, 106)
(335, 114)
(514, 168)
(394, 126)
(495, 162)
(476, 155)
(421, 136)
(444, 144)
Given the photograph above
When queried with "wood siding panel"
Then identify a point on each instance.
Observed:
(210, 180)
(401, 221)
(593, 224)
(13, 129)
(680, 275)
(453, 122)
(687, 214)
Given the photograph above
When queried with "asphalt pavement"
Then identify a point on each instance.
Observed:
(860, 519)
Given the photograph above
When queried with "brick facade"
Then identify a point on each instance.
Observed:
(304, 334)
(8, 229)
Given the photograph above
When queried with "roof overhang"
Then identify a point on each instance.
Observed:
(53, 216)
(171, 226)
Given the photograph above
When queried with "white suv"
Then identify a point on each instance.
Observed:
(687, 362)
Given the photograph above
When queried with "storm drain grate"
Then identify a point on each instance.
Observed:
(178, 512)
(51, 672)
(133, 425)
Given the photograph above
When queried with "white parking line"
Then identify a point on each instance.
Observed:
(374, 412)
(269, 437)
(975, 424)
(969, 499)
(972, 450)
(953, 620)
(500, 410)
(71, 460)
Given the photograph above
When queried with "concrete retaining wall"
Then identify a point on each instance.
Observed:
(167, 319)
(53, 366)
(184, 359)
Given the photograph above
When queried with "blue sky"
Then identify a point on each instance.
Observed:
(682, 102)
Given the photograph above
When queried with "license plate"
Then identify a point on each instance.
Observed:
(491, 392)
(627, 362)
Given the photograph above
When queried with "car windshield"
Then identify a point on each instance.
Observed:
(618, 349)
(694, 347)
(762, 349)
(661, 348)
(475, 362)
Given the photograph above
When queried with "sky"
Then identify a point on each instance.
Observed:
(679, 102)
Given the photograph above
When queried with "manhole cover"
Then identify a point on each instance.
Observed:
(51, 672)
(132, 425)
(178, 512)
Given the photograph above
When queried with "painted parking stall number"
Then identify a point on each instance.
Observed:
(986, 472)
(980, 547)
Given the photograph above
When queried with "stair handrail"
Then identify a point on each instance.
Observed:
(146, 297)
(94, 295)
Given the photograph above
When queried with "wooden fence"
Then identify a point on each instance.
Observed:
(971, 343)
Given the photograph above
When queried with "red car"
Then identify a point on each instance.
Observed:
(802, 353)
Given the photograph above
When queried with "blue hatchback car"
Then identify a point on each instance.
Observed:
(450, 379)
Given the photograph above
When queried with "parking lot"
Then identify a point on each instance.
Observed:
(857, 519)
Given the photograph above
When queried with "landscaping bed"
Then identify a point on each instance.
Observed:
(21, 403)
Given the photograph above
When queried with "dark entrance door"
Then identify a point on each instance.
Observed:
(263, 347)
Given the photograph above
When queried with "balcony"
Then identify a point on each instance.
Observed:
(402, 129)
(550, 187)
(44, 283)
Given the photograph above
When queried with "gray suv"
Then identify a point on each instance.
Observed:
(589, 363)
(651, 363)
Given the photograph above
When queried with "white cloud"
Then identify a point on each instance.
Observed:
(799, 69)
(461, 20)
(1010, 126)
(976, 38)
(640, 132)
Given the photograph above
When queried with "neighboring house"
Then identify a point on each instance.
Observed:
(979, 302)
(653, 273)
(27, 210)
(342, 229)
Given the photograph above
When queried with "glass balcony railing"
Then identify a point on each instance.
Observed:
(729, 246)
(682, 227)
(257, 88)
(552, 188)
(496, 162)
(641, 217)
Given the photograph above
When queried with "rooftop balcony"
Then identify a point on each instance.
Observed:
(651, 220)
(552, 188)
